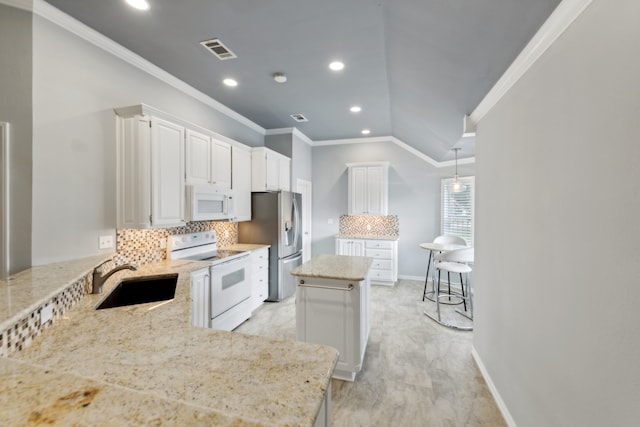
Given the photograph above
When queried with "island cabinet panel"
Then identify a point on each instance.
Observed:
(335, 313)
(200, 296)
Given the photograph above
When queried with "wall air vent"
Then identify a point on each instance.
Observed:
(216, 47)
(299, 118)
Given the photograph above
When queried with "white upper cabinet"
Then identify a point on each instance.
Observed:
(270, 171)
(150, 156)
(368, 188)
(208, 160)
(220, 164)
(198, 158)
(241, 183)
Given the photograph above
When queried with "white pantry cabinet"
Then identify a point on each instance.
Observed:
(368, 188)
(241, 183)
(208, 160)
(150, 172)
(200, 295)
(270, 171)
(384, 270)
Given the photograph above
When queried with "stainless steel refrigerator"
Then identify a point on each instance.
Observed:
(275, 221)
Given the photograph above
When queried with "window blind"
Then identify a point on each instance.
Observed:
(458, 209)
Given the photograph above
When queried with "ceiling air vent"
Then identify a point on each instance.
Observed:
(299, 118)
(216, 47)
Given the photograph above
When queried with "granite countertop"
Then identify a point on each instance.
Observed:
(23, 292)
(368, 236)
(339, 267)
(145, 364)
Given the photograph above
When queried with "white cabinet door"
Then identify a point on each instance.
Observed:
(358, 191)
(241, 183)
(375, 190)
(167, 173)
(352, 247)
(220, 164)
(200, 294)
(198, 158)
(270, 171)
(284, 168)
(368, 188)
(273, 171)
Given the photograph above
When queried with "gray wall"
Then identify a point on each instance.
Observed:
(76, 87)
(302, 166)
(558, 203)
(15, 108)
(414, 195)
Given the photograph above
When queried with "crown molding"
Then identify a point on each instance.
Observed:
(399, 143)
(557, 23)
(292, 130)
(56, 16)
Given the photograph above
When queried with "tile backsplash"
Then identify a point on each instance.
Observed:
(140, 246)
(369, 225)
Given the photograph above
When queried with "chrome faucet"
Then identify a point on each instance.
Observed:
(99, 278)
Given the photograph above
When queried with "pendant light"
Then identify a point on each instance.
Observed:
(457, 185)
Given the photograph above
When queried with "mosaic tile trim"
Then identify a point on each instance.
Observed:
(25, 329)
(388, 225)
(144, 246)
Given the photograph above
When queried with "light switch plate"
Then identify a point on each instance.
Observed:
(105, 242)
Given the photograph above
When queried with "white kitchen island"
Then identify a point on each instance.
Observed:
(333, 308)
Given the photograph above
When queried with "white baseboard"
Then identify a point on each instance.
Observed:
(494, 391)
(420, 278)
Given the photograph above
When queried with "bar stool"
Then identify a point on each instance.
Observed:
(457, 262)
(439, 245)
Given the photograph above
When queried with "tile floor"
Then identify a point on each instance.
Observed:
(415, 372)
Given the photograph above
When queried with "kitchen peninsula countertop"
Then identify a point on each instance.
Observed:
(339, 267)
(145, 364)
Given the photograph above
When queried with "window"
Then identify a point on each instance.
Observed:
(458, 209)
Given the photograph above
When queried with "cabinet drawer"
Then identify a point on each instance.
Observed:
(258, 267)
(380, 253)
(381, 264)
(379, 244)
(380, 274)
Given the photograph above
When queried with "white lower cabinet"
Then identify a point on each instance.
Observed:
(200, 296)
(260, 277)
(335, 313)
(384, 270)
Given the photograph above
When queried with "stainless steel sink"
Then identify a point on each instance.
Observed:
(140, 290)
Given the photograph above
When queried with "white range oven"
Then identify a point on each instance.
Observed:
(229, 298)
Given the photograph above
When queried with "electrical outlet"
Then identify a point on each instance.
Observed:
(46, 314)
(105, 242)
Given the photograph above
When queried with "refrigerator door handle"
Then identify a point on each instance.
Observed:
(296, 223)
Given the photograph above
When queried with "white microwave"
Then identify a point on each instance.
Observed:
(207, 204)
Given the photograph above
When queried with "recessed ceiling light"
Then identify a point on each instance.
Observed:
(366, 131)
(230, 82)
(139, 4)
(355, 109)
(280, 77)
(336, 65)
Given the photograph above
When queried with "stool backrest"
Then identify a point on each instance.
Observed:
(450, 240)
(463, 256)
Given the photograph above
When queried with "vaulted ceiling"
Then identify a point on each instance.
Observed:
(416, 67)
